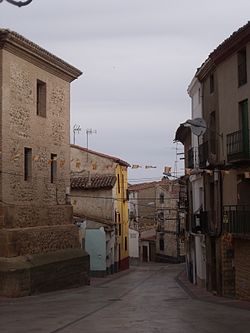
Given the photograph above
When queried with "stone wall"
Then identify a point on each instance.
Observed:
(242, 268)
(93, 203)
(83, 163)
(39, 247)
(22, 127)
(227, 266)
(22, 276)
(29, 241)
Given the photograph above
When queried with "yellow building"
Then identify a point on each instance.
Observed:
(121, 208)
(107, 202)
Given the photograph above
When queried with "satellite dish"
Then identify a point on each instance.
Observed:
(198, 126)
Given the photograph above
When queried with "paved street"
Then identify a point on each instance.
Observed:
(147, 299)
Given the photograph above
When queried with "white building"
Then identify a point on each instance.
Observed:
(196, 256)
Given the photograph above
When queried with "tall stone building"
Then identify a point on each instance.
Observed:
(39, 248)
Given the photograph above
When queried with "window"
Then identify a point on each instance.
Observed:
(126, 243)
(120, 229)
(118, 183)
(123, 188)
(211, 81)
(53, 166)
(242, 67)
(161, 244)
(162, 198)
(243, 144)
(27, 163)
(212, 132)
(41, 98)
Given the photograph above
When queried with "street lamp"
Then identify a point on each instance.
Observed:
(18, 3)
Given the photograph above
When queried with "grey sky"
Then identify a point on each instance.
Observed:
(137, 58)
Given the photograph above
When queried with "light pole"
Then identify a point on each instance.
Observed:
(18, 3)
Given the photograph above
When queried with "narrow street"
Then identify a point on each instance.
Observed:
(145, 299)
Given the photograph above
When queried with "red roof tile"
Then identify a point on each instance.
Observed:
(96, 182)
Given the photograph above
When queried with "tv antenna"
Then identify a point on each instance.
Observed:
(76, 129)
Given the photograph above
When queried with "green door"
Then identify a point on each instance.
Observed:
(244, 128)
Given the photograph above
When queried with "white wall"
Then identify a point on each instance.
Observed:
(133, 243)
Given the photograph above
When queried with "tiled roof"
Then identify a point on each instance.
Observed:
(141, 186)
(242, 35)
(96, 182)
(230, 45)
(115, 159)
(8, 37)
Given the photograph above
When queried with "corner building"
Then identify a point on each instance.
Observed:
(39, 248)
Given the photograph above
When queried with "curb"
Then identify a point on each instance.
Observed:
(201, 294)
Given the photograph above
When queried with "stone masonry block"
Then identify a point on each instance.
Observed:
(26, 241)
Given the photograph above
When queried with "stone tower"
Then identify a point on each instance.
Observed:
(39, 247)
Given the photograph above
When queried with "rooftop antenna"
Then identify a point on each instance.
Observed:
(76, 129)
(89, 131)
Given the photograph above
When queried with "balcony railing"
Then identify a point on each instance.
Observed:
(236, 219)
(203, 154)
(238, 146)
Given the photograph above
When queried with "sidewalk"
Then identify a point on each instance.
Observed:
(202, 294)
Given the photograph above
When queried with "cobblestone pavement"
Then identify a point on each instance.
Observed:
(145, 299)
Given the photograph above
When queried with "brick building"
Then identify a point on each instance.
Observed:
(39, 248)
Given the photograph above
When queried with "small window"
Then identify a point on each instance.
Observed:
(126, 243)
(161, 244)
(53, 172)
(118, 183)
(242, 67)
(41, 98)
(162, 198)
(27, 163)
(120, 229)
(211, 80)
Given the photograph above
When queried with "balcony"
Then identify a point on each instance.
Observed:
(236, 219)
(238, 146)
(203, 154)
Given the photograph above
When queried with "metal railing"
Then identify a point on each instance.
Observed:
(237, 146)
(236, 219)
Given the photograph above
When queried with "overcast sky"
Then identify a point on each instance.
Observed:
(138, 58)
